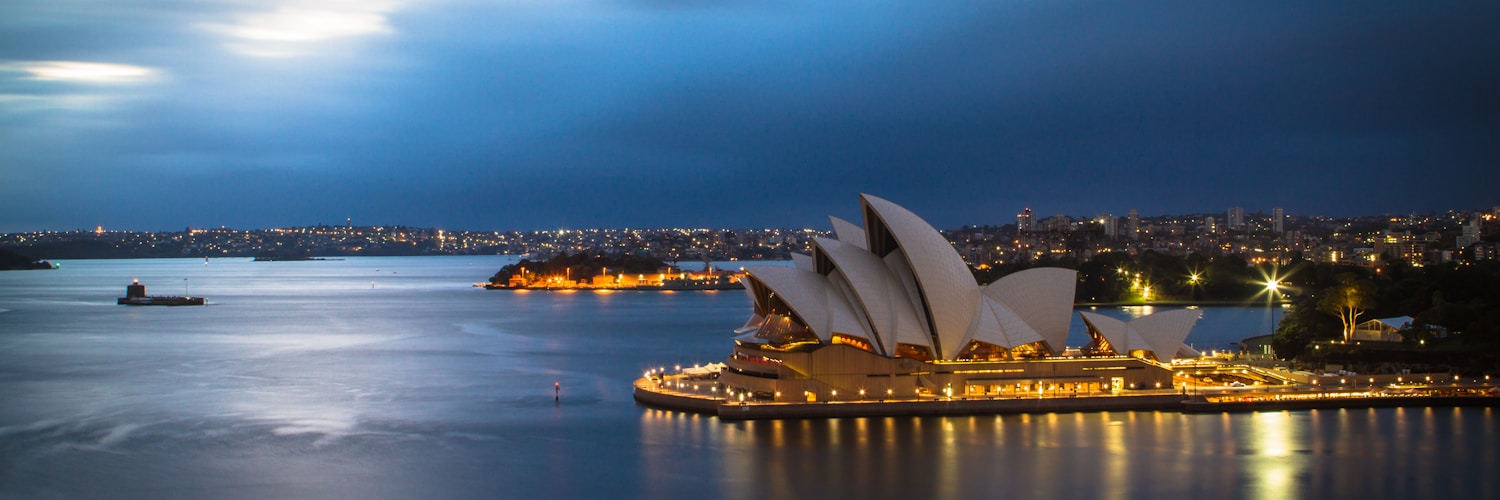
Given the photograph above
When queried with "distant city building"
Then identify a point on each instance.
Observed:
(1402, 246)
(1209, 226)
(1058, 223)
(1276, 218)
(1111, 226)
(1472, 232)
(1484, 251)
(1025, 221)
(1133, 224)
(1236, 218)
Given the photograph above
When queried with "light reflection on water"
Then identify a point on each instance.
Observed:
(301, 381)
(1100, 455)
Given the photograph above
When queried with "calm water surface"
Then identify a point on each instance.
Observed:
(393, 378)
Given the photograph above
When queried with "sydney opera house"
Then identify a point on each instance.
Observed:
(889, 310)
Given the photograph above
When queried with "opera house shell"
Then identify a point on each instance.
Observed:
(890, 310)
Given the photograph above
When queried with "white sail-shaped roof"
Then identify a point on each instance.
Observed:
(843, 319)
(896, 264)
(876, 290)
(949, 294)
(802, 291)
(1114, 331)
(1187, 352)
(1042, 297)
(808, 294)
(848, 233)
(838, 282)
(1161, 333)
(1165, 331)
(802, 261)
(998, 324)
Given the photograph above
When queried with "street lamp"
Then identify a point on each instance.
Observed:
(1272, 288)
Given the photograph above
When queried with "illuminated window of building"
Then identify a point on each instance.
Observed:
(850, 340)
(1098, 345)
(983, 351)
(1031, 350)
(784, 330)
(922, 353)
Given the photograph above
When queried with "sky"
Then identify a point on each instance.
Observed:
(522, 115)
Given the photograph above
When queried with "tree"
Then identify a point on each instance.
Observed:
(1302, 325)
(1348, 300)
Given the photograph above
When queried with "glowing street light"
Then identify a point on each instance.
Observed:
(1273, 287)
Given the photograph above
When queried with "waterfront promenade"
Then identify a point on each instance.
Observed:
(707, 398)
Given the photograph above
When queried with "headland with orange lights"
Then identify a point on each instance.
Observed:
(665, 279)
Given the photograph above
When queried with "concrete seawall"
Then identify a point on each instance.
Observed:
(661, 398)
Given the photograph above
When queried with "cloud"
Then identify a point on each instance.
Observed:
(39, 86)
(294, 28)
(454, 113)
(80, 71)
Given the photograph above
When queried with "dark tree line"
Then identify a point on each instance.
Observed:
(1461, 299)
(1118, 277)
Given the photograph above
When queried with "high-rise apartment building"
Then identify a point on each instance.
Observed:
(1133, 224)
(1276, 220)
(1236, 219)
(1025, 222)
(1471, 232)
(1111, 226)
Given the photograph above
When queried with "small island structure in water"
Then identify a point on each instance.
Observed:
(583, 272)
(887, 319)
(135, 295)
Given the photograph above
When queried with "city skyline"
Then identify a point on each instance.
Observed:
(1453, 236)
(1224, 218)
(677, 114)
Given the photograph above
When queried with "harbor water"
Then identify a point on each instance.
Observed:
(395, 378)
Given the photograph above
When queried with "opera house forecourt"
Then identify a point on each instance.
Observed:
(887, 314)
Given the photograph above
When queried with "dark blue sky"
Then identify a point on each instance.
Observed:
(468, 114)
